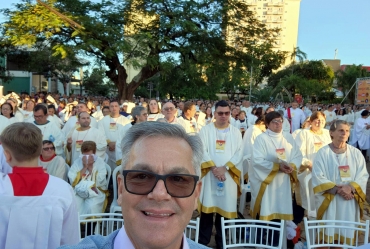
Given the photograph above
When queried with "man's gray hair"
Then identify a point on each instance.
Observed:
(136, 111)
(158, 129)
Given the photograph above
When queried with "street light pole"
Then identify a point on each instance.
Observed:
(250, 84)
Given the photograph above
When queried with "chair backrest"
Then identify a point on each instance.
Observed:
(252, 233)
(337, 233)
(101, 223)
(109, 172)
(192, 230)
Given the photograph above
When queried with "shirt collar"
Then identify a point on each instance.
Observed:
(122, 241)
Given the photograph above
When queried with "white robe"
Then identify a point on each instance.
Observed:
(18, 116)
(4, 122)
(91, 134)
(326, 175)
(190, 126)
(52, 132)
(55, 167)
(330, 116)
(232, 157)
(271, 188)
(248, 141)
(90, 205)
(121, 134)
(306, 141)
(38, 222)
(154, 117)
(297, 118)
(251, 119)
(72, 123)
(362, 134)
(111, 128)
(4, 166)
(286, 125)
(241, 126)
(28, 116)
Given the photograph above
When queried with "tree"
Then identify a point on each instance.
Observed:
(143, 35)
(309, 78)
(94, 82)
(347, 77)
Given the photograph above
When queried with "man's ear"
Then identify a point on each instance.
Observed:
(120, 189)
(8, 155)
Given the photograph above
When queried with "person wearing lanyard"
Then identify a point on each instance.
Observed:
(339, 179)
(275, 161)
(84, 133)
(221, 172)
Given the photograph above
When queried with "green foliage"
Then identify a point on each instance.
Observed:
(346, 79)
(94, 82)
(306, 78)
(196, 38)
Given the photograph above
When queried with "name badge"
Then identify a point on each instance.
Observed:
(220, 146)
(26, 115)
(318, 146)
(345, 173)
(280, 153)
(79, 144)
(113, 126)
(292, 115)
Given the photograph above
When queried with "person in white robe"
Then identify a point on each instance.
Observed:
(310, 141)
(54, 118)
(48, 129)
(246, 106)
(37, 210)
(110, 125)
(275, 161)
(339, 179)
(248, 141)
(169, 112)
(18, 115)
(140, 115)
(84, 133)
(88, 176)
(4, 166)
(221, 167)
(28, 112)
(154, 110)
(73, 123)
(362, 131)
(242, 123)
(4, 122)
(98, 114)
(187, 120)
(51, 163)
(286, 124)
(295, 116)
(331, 116)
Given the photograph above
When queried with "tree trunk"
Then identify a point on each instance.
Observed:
(65, 87)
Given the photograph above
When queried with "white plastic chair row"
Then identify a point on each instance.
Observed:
(245, 188)
(319, 233)
(234, 233)
(106, 223)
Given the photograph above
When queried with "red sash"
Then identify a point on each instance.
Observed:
(289, 119)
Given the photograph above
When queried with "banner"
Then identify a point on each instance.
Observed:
(363, 91)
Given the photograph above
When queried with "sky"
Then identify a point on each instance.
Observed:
(325, 25)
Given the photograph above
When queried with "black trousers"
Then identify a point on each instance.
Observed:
(205, 229)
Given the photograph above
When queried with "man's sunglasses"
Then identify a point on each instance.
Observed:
(140, 182)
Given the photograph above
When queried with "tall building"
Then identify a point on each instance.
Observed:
(282, 14)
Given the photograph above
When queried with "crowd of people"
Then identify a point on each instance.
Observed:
(274, 147)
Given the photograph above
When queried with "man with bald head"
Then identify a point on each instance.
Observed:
(84, 133)
(73, 123)
(169, 112)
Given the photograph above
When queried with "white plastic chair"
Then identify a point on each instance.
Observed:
(348, 232)
(106, 158)
(114, 207)
(192, 230)
(101, 223)
(234, 233)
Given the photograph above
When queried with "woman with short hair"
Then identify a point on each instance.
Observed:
(52, 164)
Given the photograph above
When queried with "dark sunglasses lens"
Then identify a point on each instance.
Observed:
(180, 185)
(140, 183)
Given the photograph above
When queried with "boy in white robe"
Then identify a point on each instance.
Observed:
(88, 177)
(37, 211)
(72, 122)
